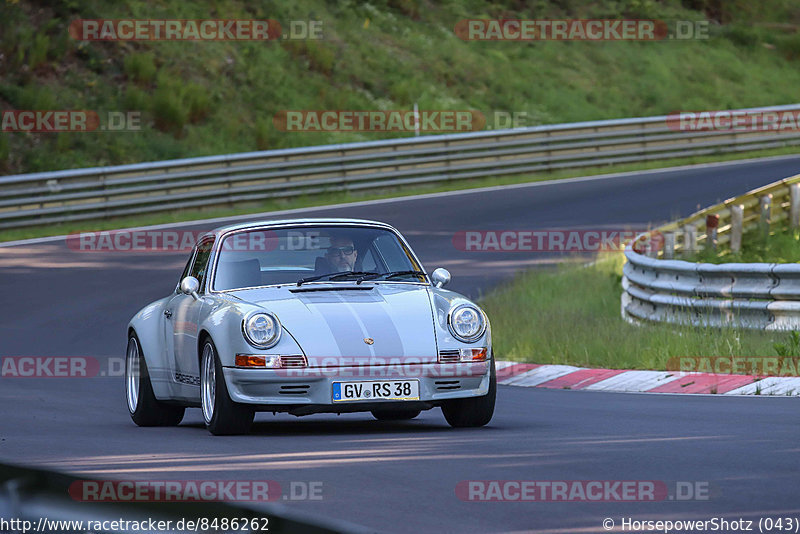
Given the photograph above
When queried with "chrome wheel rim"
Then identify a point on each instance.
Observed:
(132, 365)
(208, 383)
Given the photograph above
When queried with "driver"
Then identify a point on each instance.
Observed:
(341, 254)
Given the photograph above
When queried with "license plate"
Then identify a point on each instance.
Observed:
(376, 390)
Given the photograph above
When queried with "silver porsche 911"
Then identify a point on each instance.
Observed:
(308, 316)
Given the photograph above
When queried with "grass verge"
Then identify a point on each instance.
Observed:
(571, 316)
(781, 246)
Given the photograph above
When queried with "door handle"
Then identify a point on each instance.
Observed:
(167, 314)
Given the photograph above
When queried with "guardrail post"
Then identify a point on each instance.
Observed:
(737, 222)
(669, 245)
(712, 223)
(689, 240)
(794, 214)
(764, 216)
(650, 250)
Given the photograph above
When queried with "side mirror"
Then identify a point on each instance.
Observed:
(440, 277)
(189, 286)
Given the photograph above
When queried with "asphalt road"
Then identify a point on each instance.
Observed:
(401, 477)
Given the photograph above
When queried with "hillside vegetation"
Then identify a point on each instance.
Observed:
(202, 98)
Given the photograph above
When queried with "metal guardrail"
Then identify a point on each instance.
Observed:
(763, 296)
(746, 295)
(723, 225)
(61, 196)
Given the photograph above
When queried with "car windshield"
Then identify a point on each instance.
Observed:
(307, 254)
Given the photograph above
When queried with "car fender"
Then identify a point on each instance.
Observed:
(149, 328)
(442, 301)
(223, 323)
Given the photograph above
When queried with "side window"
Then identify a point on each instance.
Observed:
(369, 263)
(185, 272)
(396, 258)
(200, 265)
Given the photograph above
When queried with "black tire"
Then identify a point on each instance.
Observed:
(395, 415)
(474, 411)
(144, 408)
(226, 417)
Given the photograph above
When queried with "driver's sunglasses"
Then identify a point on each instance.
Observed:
(346, 251)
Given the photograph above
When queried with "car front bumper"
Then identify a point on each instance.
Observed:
(310, 390)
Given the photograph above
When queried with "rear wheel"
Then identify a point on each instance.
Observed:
(474, 411)
(143, 406)
(395, 415)
(221, 415)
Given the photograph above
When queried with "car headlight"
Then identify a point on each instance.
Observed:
(466, 323)
(261, 330)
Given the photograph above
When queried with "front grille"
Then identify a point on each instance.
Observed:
(449, 356)
(299, 389)
(294, 361)
(447, 385)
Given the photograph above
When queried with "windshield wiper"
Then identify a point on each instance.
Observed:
(332, 276)
(393, 274)
(318, 277)
(360, 274)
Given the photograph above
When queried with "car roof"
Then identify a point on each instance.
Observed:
(277, 223)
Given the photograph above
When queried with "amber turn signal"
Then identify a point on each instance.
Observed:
(249, 360)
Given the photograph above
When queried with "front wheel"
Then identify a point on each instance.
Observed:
(222, 415)
(143, 406)
(474, 411)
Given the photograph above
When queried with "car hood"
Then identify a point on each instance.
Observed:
(341, 322)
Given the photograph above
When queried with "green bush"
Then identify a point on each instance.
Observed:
(5, 150)
(30, 96)
(169, 114)
(61, 43)
(319, 55)
(37, 53)
(140, 67)
(64, 140)
(322, 57)
(136, 99)
(743, 36)
(410, 8)
(196, 101)
(789, 46)
(174, 104)
(263, 131)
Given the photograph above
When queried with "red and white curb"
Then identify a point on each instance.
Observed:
(620, 380)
